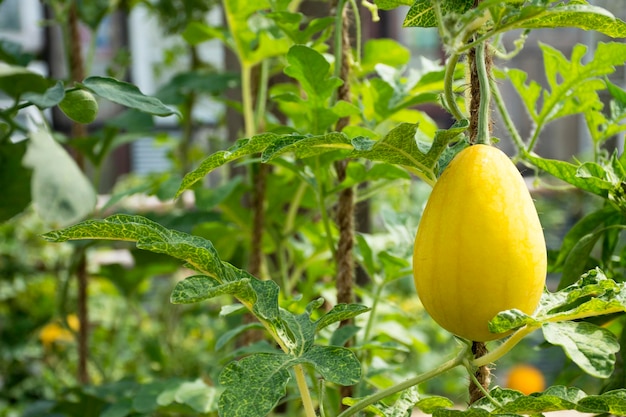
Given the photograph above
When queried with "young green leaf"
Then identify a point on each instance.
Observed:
(300, 332)
(254, 41)
(312, 71)
(126, 94)
(340, 312)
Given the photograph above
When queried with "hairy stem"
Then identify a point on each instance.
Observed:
(448, 87)
(483, 64)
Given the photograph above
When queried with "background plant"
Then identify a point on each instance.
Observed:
(290, 122)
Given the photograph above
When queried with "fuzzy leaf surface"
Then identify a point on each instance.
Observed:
(254, 384)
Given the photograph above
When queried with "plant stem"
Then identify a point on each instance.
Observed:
(246, 98)
(321, 202)
(261, 97)
(452, 363)
(506, 118)
(484, 121)
(359, 31)
(448, 87)
(307, 402)
(338, 45)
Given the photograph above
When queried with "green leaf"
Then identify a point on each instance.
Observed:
(422, 13)
(231, 334)
(573, 85)
(581, 16)
(51, 97)
(60, 191)
(342, 334)
(592, 295)
(392, 4)
(306, 146)
(334, 363)
(177, 89)
(341, 312)
(591, 347)
(430, 404)
(312, 71)
(15, 180)
(301, 332)
(198, 252)
(404, 405)
(254, 384)
(16, 81)
(196, 33)
(509, 320)
(92, 12)
(201, 397)
(569, 173)
(254, 37)
(126, 94)
(241, 148)
(121, 408)
(612, 402)
(400, 147)
(383, 51)
(583, 227)
(555, 398)
(201, 287)
(578, 258)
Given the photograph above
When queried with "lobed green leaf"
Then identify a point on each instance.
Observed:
(334, 363)
(254, 384)
(591, 347)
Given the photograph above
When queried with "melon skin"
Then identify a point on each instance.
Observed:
(479, 247)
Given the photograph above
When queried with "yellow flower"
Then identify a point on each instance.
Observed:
(54, 332)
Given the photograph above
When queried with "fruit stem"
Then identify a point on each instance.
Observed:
(506, 346)
(483, 135)
(371, 399)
